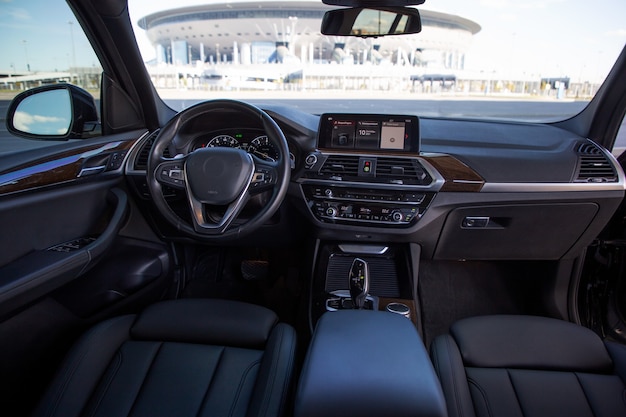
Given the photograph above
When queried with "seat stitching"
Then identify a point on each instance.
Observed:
(482, 393)
(240, 386)
(208, 388)
(584, 392)
(145, 377)
(74, 366)
(272, 376)
(448, 351)
(289, 371)
(280, 332)
(508, 373)
(107, 384)
(440, 370)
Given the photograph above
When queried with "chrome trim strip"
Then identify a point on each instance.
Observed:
(131, 156)
(520, 187)
(435, 186)
(620, 172)
(363, 200)
(363, 249)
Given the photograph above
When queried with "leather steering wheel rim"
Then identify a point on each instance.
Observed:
(281, 168)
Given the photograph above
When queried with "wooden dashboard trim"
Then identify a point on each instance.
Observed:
(457, 176)
(57, 168)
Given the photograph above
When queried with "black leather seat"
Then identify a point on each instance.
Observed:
(178, 358)
(531, 367)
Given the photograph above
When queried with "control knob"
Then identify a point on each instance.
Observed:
(310, 160)
(396, 216)
(331, 211)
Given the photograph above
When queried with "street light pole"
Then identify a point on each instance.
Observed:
(26, 54)
(73, 48)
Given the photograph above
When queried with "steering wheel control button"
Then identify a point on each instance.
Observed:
(176, 174)
(172, 174)
(262, 179)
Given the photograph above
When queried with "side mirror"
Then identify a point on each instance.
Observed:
(53, 112)
(371, 22)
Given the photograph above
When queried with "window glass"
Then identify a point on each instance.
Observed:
(42, 43)
(529, 61)
(620, 141)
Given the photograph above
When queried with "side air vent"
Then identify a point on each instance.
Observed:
(341, 165)
(409, 171)
(593, 165)
(141, 163)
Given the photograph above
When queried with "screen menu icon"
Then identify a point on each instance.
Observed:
(392, 135)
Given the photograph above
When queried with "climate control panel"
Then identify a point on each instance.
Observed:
(361, 206)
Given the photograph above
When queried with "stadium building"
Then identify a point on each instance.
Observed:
(263, 32)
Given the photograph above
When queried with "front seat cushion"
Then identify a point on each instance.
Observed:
(178, 358)
(529, 367)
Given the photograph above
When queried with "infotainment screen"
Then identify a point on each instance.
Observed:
(366, 132)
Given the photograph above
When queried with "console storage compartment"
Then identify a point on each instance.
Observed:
(367, 363)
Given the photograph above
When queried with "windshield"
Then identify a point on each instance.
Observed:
(532, 61)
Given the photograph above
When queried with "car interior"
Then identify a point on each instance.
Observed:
(341, 263)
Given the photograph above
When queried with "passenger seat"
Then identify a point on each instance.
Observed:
(526, 366)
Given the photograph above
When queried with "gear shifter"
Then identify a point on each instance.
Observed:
(359, 282)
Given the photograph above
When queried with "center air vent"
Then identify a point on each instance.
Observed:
(593, 165)
(341, 165)
(407, 170)
(384, 170)
(141, 163)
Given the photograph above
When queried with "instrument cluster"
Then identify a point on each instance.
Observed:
(252, 141)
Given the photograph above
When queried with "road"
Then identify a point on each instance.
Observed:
(528, 110)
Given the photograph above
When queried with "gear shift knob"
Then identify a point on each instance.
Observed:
(359, 281)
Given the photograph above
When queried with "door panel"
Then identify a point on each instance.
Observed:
(57, 223)
(63, 264)
(82, 222)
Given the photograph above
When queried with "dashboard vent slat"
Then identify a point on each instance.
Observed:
(141, 163)
(341, 165)
(593, 165)
(401, 169)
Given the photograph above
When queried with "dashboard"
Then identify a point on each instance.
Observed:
(461, 189)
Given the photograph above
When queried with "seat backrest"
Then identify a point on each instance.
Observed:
(180, 358)
(529, 366)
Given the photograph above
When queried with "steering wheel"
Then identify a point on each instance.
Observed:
(218, 179)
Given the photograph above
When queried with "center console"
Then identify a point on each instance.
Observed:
(366, 357)
(366, 171)
(390, 271)
(367, 363)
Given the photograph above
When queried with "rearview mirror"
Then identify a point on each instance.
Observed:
(371, 22)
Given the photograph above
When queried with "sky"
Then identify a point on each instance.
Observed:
(575, 38)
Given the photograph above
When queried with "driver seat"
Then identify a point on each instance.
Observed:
(179, 358)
